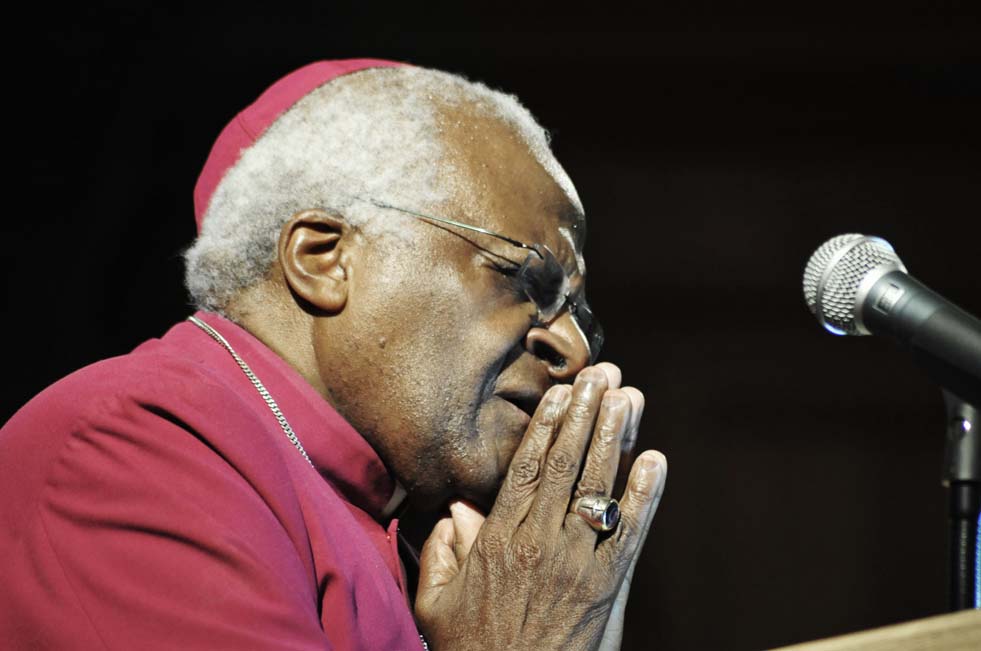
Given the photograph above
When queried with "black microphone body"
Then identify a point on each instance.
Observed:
(943, 339)
(857, 285)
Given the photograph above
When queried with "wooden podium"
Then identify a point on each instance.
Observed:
(960, 631)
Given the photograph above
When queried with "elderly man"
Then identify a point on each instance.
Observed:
(390, 280)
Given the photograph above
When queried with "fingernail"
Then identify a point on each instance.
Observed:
(462, 510)
(615, 400)
(649, 462)
(593, 375)
(556, 400)
(612, 373)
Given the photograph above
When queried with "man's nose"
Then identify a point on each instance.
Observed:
(562, 345)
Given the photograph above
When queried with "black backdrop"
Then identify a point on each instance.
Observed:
(714, 151)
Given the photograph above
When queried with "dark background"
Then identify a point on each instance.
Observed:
(714, 149)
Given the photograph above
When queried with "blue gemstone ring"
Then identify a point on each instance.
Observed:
(600, 512)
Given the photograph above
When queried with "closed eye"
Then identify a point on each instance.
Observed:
(510, 270)
(528, 284)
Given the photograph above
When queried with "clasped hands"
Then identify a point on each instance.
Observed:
(532, 575)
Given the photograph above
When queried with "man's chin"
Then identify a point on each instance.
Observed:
(477, 485)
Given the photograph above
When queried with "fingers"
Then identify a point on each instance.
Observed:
(539, 484)
(524, 474)
(613, 375)
(636, 411)
(564, 459)
(467, 521)
(600, 469)
(629, 442)
(437, 561)
(637, 508)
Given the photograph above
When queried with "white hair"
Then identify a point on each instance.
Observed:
(373, 133)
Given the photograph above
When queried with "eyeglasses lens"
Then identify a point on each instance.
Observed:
(547, 285)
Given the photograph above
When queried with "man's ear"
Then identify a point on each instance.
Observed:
(315, 260)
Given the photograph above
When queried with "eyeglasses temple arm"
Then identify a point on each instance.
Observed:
(478, 229)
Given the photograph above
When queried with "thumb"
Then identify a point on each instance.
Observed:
(467, 521)
(437, 563)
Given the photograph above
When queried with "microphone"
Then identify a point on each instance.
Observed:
(857, 285)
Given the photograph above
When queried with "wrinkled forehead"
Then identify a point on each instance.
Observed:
(496, 179)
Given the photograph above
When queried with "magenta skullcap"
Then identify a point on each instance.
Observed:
(246, 127)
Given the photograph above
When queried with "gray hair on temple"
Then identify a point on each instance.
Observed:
(373, 133)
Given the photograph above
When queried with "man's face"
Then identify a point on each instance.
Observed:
(439, 360)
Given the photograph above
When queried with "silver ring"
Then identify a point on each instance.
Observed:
(600, 512)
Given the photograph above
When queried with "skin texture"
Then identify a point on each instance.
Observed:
(448, 549)
(535, 576)
(423, 344)
(434, 356)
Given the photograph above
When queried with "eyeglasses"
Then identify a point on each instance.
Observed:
(543, 279)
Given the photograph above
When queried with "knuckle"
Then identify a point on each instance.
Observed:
(542, 427)
(561, 464)
(489, 545)
(524, 472)
(549, 415)
(608, 432)
(592, 485)
(639, 488)
(526, 554)
(579, 412)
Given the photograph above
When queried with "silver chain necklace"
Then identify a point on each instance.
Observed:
(270, 402)
(263, 392)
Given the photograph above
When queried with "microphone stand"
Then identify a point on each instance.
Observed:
(962, 477)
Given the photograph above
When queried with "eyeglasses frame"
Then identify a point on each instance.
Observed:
(567, 298)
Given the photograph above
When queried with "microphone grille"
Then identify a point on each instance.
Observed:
(835, 273)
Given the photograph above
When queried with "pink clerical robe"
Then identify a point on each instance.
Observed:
(152, 501)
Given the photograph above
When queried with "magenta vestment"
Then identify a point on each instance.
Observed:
(152, 501)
